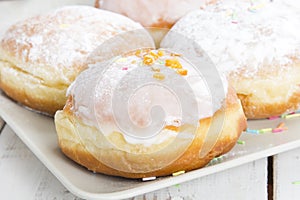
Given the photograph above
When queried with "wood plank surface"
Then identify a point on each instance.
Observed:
(23, 176)
(286, 169)
(244, 182)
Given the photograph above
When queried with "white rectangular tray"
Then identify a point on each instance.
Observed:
(38, 133)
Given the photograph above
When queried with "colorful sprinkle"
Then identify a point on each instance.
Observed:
(149, 178)
(273, 117)
(283, 115)
(241, 142)
(252, 10)
(292, 116)
(216, 160)
(280, 125)
(296, 182)
(178, 173)
(286, 115)
(161, 62)
(219, 158)
(121, 60)
(278, 130)
(177, 185)
(252, 131)
(255, 8)
(158, 76)
(125, 68)
(265, 130)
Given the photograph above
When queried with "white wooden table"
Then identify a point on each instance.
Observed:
(23, 176)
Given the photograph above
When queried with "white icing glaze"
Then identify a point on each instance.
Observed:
(95, 90)
(54, 45)
(243, 33)
(153, 12)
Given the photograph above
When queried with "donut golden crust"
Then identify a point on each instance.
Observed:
(29, 90)
(275, 90)
(41, 56)
(72, 146)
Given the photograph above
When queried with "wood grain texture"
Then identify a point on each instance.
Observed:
(23, 176)
(287, 175)
(21, 171)
(244, 182)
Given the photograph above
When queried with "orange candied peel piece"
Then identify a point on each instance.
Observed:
(148, 60)
(182, 72)
(160, 53)
(173, 63)
(155, 56)
(138, 52)
(172, 128)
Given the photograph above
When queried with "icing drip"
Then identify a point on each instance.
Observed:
(130, 79)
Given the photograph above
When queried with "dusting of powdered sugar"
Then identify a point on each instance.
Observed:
(243, 33)
(54, 45)
(94, 90)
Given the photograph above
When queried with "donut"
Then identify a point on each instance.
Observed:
(154, 13)
(158, 16)
(111, 123)
(42, 55)
(257, 45)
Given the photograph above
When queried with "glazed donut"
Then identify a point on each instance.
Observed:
(105, 123)
(257, 44)
(42, 55)
(154, 13)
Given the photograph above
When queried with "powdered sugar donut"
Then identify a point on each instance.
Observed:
(42, 55)
(109, 126)
(257, 44)
(154, 13)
